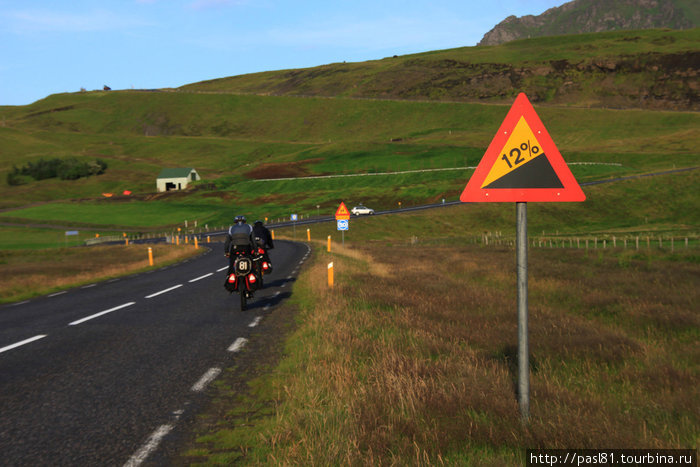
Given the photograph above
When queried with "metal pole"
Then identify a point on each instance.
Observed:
(523, 352)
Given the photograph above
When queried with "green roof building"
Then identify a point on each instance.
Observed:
(176, 179)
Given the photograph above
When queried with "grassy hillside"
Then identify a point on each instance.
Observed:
(234, 138)
(628, 69)
(408, 151)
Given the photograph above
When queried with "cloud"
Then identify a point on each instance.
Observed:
(42, 20)
(212, 4)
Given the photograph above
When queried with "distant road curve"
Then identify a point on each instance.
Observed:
(391, 211)
(452, 203)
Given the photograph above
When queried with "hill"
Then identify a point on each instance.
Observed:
(584, 16)
(235, 137)
(653, 69)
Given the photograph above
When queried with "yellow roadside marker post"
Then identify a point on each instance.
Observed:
(150, 256)
(308, 235)
(330, 274)
(272, 233)
(196, 244)
(329, 243)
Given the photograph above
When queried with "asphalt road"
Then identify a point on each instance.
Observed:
(100, 375)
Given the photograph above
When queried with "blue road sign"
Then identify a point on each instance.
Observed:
(343, 224)
(294, 217)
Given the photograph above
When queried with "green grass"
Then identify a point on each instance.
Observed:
(12, 238)
(348, 136)
(128, 214)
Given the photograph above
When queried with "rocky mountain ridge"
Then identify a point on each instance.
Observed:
(584, 16)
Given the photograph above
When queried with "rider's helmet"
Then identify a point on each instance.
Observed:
(258, 222)
(240, 220)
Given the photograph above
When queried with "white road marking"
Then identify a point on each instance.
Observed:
(58, 293)
(255, 322)
(238, 344)
(163, 291)
(20, 303)
(19, 344)
(207, 378)
(88, 318)
(267, 307)
(219, 270)
(277, 294)
(150, 446)
(201, 277)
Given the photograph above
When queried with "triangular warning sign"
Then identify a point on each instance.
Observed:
(522, 163)
(342, 214)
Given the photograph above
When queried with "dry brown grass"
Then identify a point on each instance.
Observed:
(27, 273)
(418, 366)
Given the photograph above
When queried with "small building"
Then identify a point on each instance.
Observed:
(176, 179)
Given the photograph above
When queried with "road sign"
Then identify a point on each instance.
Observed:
(342, 213)
(522, 163)
(294, 217)
(343, 224)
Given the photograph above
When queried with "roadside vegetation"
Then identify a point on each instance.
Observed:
(411, 359)
(29, 273)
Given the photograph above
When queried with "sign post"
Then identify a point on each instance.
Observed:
(522, 164)
(523, 342)
(294, 219)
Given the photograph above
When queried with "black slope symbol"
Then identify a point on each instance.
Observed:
(537, 173)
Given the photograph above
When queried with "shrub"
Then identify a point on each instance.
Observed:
(66, 169)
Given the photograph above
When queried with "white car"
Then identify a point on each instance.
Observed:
(360, 210)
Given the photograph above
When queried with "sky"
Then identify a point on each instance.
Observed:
(54, 46)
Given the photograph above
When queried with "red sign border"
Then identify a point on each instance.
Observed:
(571, 190)
(342, 217)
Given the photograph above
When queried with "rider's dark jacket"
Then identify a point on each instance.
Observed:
(261, 232)
(239, 235)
